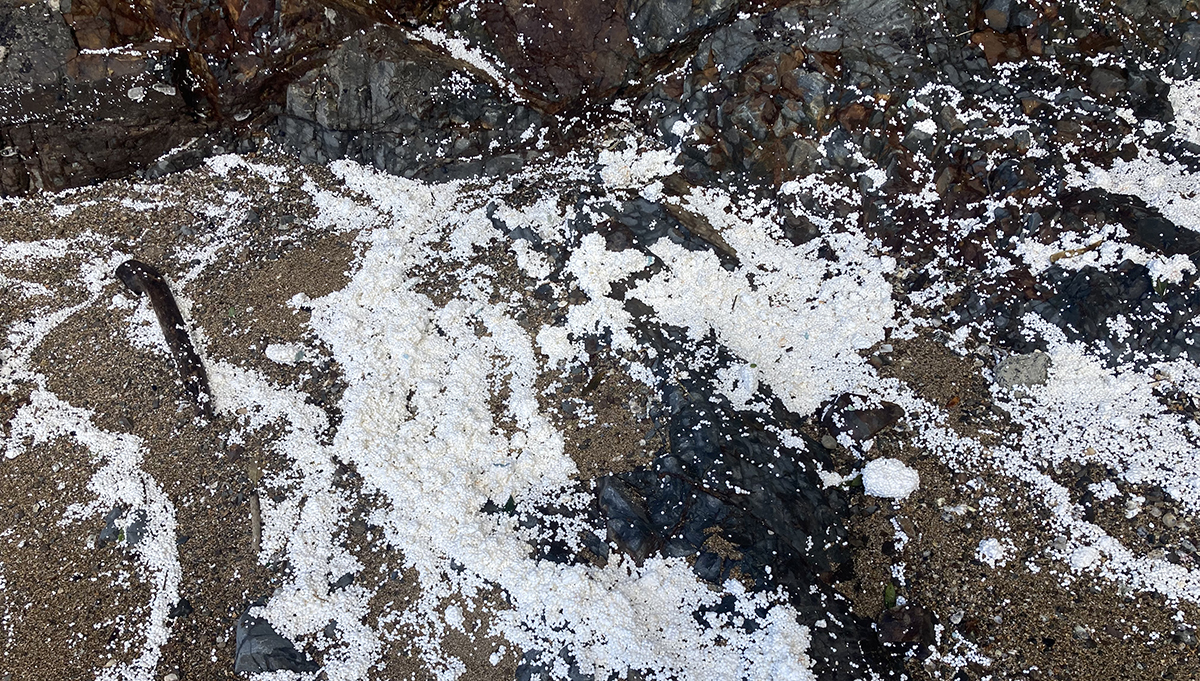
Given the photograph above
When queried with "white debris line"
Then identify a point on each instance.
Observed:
(437, 458)
(1090, 547)
(460, 49)
(801, 325)
(119, 480)
(1168, 186)
(304, 524)
(1104, 248)
(24, 338)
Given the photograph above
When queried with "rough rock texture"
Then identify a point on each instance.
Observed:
(557, 59)
(408, 109)
(261, 649)
(102, 88)
(69, 117)
(1019, 370)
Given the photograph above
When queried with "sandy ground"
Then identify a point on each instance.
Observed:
(73, 603)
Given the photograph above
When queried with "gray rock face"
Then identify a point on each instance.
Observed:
(1023, 370)
(406, 109)
(997, 14)
(1185, 52)
(35, 45)
(68, 117)
(658, 25)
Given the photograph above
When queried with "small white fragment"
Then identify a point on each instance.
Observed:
(555, 344)
(681, 129)
(926, 126)
(829, 478)
(454, 617)
(285, 353)
(992, 552)
(1084, 557)
(1104, 490)
(137, 93)
(889, 478)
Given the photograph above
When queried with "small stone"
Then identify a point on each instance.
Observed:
(261, 649)
(1023, 370)
(997, 14)
(171, 677)
(1031, 105)
(1106, 83)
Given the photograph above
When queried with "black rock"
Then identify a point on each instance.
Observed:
(998, 14)
(860, 424)
(1106, 82)
(628, 525)
(906, 624)
(658, 25)
(537, 664)
(182, 608)
(261, 649)
(385, 101)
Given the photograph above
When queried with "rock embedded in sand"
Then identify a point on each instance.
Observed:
(1023, 370)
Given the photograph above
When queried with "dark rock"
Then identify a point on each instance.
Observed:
(907, 624)
(1106, 83)
(261, 649)
(110, 86)
(110, 533)
(732, 46)
(35, 46)
(407, 109)
(860, 424)
(628, 525)
(998, 14)
(1185, 51)
(182, 608)
(536, 665)
(657, 25)
(131, 532)
(730, 493)
(561, 52)
(135, 532)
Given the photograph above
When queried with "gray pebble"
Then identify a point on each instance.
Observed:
(1023, 370)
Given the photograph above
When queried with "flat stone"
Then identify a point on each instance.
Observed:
(1023, 370)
